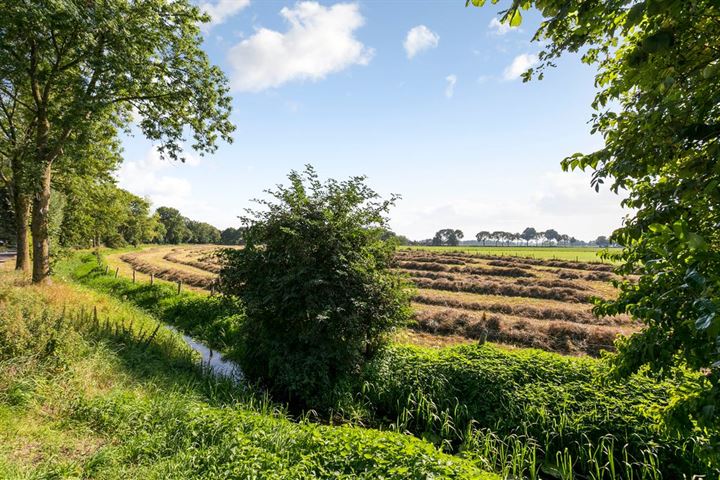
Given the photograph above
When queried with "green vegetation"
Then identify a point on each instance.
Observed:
(656, 109)
(315, 281)
(120, 398)
(72, 78)
(524, 410)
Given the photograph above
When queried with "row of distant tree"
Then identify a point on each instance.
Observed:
(528, 237)
(99, 213)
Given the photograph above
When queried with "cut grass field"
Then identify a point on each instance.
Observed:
(514, 300)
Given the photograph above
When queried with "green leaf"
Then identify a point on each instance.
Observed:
(515, 18)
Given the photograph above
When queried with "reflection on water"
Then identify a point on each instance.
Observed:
(213, 359)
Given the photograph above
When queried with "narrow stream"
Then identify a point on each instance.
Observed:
(212, 359)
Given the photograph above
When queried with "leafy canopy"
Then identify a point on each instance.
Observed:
(315, 280)
(658, 110)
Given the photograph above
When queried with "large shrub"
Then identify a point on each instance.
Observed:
(315, 281)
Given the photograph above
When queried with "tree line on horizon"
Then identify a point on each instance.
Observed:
(529, 236)
(95, 214)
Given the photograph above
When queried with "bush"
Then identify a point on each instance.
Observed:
(316, 284)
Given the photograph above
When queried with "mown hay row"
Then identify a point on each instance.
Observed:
(170, 274)
(439, 267)
(557, 336)
(444, 260)
(445, 257)
(515, 261)
(175, 257)
(504, 289)
(520, 310)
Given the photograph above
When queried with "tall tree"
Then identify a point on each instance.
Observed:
(658, 110)
(176, 229)
(482, 236)
(70, 62)
(529, 234)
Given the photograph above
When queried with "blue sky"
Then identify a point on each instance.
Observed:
(420, 96)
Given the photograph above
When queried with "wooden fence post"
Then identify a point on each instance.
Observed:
(152, 278)
(133, 275)
(107, 268)
(179, 286)
(117, 270)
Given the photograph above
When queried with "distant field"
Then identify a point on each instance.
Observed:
(578, 254)
(463, 294)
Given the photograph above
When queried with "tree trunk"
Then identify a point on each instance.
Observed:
(40, 224)
(22, 226)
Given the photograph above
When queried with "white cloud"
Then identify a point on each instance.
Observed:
(498, 28)
(519, 65)
(222, 10)
(320, 40)
(450, 88)
(418, 39)
(144, 177)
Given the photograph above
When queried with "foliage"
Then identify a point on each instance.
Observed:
(447, 236)
(316, 284)
(201, 232)
(657, 109)
(99, 213)
(232, 236)
(558, 403)
(67, 64)
(176, 229)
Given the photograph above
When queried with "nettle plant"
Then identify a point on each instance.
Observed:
(315, 279)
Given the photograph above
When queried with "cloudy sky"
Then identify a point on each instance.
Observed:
(422, 97)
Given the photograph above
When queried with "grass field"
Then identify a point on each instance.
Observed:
(581, 254)
(461, 295)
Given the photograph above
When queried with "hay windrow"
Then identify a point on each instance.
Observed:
(170, 274)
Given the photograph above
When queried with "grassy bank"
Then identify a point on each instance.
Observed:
(114, 395)
(511, 411)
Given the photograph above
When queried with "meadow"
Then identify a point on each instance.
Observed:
(458, 297)
(518, 412)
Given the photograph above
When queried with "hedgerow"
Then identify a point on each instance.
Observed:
(563, 405)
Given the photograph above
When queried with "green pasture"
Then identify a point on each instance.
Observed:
(579, 254)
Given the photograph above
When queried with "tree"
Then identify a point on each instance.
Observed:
(202, 232)
(552, 235)
(232, 236)
(447, 236)
(529, 234)
(482, 236)
(317, 287)
(657, 110)
(68, 63)
(602, 241)
(498, 236)
(175, 225)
